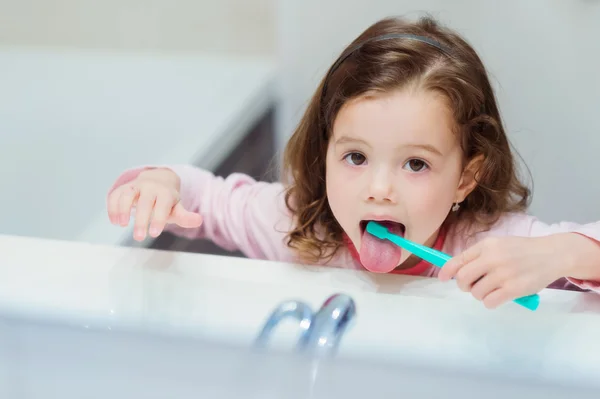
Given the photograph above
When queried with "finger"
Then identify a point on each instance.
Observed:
(472, 272)
(452, 267)
(485, 286)
(184, 218)
(143, 212)
(112, 205)
(128, 196)
(162, 209)
(496, 298)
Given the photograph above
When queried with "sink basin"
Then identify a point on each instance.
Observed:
(50, 359)
(91, 314)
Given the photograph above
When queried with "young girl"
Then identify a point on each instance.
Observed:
(404, 129)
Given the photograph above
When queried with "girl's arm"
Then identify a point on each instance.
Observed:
(573, 248)
(238, 212)
(580, 245)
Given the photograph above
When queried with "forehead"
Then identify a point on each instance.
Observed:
(397, 118)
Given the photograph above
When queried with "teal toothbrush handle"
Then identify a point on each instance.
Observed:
(439, 259)
(531, 302)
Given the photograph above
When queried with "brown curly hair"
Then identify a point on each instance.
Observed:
(367, 66)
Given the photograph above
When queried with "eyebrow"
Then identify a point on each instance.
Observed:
(350, 140)
(426, 147)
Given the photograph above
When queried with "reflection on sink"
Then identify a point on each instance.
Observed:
(320, 332)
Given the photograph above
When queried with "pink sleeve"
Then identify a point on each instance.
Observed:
(530, 226)
(238, 212)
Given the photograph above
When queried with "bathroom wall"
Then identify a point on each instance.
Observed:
(240, 26)
(543, 58)
(90, 88)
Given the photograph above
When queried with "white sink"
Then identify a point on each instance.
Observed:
(52, 360)
(102, 292)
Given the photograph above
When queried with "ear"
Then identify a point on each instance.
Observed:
(468, 179)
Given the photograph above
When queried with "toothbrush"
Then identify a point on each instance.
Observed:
(434, 257)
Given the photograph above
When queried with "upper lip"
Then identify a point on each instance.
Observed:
(381, 217)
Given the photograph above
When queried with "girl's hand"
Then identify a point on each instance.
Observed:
(155, 195)
(500, 269)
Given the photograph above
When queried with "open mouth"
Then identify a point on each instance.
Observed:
(380, 256)
(393, 227)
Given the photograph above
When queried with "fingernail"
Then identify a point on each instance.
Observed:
(140, 233)
(154, 232)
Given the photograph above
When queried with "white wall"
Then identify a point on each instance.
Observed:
(543, 55)
(90, 88)
(72, 121)
(241, 26)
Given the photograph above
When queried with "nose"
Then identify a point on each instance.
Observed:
(381, 188)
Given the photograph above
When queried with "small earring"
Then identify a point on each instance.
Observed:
(455, 207)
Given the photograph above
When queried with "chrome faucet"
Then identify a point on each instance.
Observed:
(322, 331)
(288, 309)
(330, 323)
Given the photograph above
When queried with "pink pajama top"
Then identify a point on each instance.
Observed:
(242, 214)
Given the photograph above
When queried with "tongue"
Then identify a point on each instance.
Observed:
(380, 256)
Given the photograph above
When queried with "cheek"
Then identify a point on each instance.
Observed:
(432, 201)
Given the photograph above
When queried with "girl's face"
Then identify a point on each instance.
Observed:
(394, 158)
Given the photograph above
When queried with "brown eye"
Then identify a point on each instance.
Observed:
(416, 165)
(355, 158)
